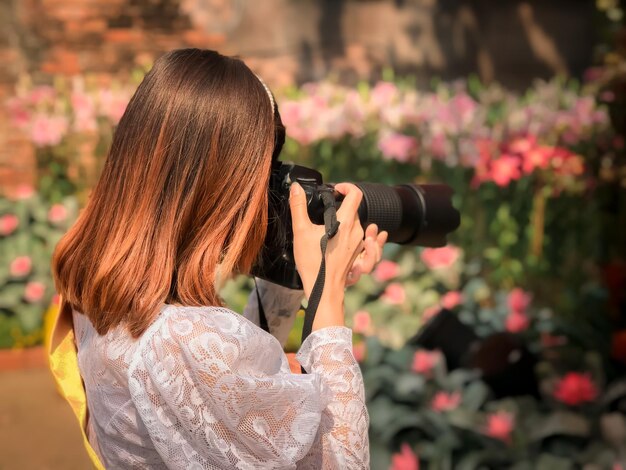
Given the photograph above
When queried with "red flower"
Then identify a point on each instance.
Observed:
(518, 300)
(444, 401)
(8, 224)
(505, 169)
(522, 145)
(424, 361)
(516, 322)
(405, 459)
(575, 388)
(538, 157)
(500, 425)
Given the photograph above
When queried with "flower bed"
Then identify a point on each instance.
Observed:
(535, 271)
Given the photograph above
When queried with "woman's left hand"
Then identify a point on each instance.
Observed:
(370, 256)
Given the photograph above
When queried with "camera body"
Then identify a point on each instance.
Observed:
(411, 214)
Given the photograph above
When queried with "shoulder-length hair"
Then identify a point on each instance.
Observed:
(184, 190)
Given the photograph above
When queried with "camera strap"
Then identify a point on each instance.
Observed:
(331, 225)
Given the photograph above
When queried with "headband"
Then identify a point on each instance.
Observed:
(269, 93)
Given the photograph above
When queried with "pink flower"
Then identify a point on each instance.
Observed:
(24, 191)
(20, 266)
(443, 257)
(518, 300)
(358, 351)
(84, 112)
(386, 270)
(57, 213)
(405, 459)
(295, 116)
(439, 145)
(384, 93)
(451, 299)
(361, 322)
(444, 401)
(575, 388)
(42, 93)
(424, 361)
(34, 291)
(8, 224)
(394, 294)
(56, 299)
(516, 322)
(463, 106)
(505, 169)
(48, 130)
(500, 425)
(398, 147)
(18, 113)
(113, 104)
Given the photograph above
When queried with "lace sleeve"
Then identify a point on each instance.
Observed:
(280, 305)
(215, 391)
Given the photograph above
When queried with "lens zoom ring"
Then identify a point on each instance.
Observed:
(384, 207)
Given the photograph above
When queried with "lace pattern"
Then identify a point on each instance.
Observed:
(206, 388)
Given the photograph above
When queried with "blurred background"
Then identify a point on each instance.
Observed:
(505, 349)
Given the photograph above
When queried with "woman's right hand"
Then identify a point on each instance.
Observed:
(341, 250)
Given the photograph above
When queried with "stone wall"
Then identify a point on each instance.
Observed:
(290, 41)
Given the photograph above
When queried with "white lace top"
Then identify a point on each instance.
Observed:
(206, 388)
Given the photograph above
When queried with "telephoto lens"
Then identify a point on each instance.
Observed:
(411, 214)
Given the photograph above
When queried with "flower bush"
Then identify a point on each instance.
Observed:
(70, 123)
(537, 263)
(29, 230)
(421, 412)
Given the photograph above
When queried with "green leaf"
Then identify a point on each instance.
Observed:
(552, 462)
(475, 395)
(566, 423)
(30, 317)
(11, 295)
(400, 359)
(375, 352)
(462, 418)
(408, 387)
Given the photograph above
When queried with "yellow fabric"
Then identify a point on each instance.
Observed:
(63, 361)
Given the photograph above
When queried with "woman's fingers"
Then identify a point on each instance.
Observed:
(370, 256)
(350, 203)
(381, 239)
(299, 215)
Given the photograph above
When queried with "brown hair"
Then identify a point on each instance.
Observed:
(183, 190)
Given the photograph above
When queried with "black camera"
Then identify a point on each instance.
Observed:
(412, 215)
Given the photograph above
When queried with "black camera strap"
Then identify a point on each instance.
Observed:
(331, 225)
(262, 318)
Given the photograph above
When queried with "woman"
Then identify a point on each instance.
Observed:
(173, 379)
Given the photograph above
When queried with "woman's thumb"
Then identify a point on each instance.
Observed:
(297, 201)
